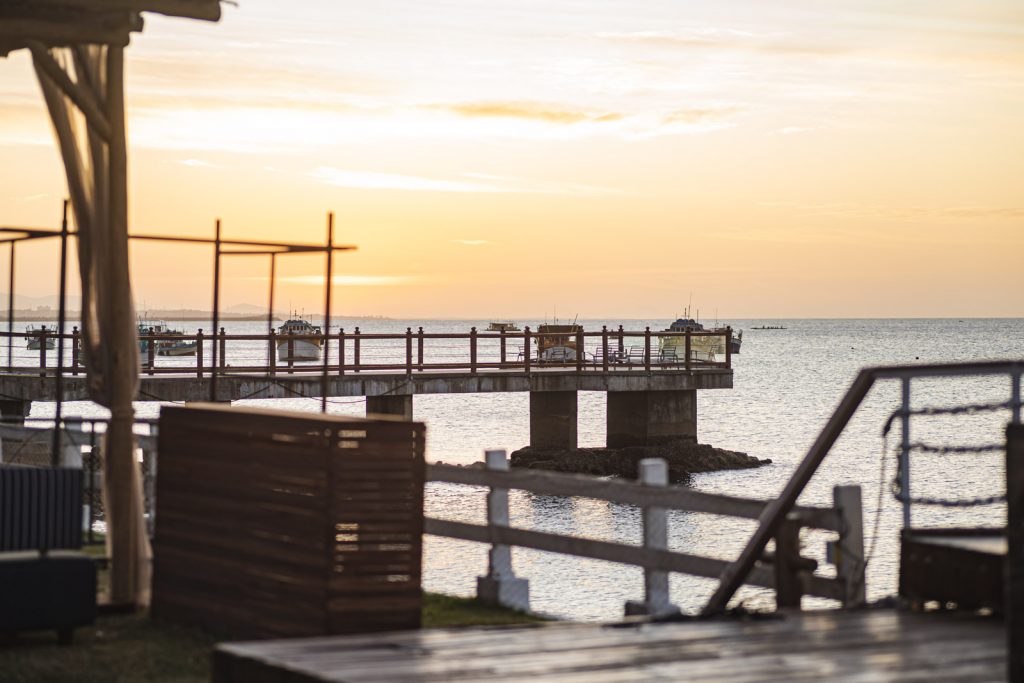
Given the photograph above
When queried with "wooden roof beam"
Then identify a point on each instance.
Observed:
(208, 10)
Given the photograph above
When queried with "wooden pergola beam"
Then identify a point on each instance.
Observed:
(16, 33)
(207, 10)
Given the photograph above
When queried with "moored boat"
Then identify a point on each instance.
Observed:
(34, 342)
(506, 326)
(556, 343)
(703, 346)
(292, 350)
(164, 347)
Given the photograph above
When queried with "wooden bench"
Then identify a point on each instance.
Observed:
(44, 582)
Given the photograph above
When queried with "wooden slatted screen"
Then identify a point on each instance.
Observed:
(40, 508)
(279, 524)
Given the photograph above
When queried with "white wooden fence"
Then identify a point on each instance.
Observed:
(784, 570)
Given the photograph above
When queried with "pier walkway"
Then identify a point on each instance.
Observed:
(862, 645)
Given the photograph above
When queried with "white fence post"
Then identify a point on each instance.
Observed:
(848, 551)
(501, 586)
(654, 472)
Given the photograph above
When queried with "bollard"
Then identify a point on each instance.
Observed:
(656, 602)
(500, 586)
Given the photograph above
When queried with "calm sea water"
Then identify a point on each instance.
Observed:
(787, 383)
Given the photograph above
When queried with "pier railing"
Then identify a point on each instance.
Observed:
(413, 351)
(783, 569)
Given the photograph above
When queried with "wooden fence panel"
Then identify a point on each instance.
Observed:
(274, 524)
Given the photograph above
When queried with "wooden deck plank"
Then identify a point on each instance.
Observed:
(864, 646)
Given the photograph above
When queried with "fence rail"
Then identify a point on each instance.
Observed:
(783, 569)
(411, 352)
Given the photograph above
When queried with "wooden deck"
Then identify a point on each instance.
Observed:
(867, 645)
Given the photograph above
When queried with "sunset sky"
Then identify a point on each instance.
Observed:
(605, 158)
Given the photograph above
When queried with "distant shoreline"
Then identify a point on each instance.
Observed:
(169, 316)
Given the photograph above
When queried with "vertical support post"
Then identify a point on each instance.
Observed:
(419, 349)
(355, 351)
(501, 346)
(223, 345)
(75, 360)
(580, 352)
(61, 313)
(272, 359)
(622, 341)
(291, 351)
(1015, 398)
(91, 483)
(788, 589)
(341, 351)
(656, 602)
(604, 348)
(199, 353)
(500, 586)
(42, 350)
(408, 351)
(728, 347)
(271, 347)
(647, 349)
(526, 349)
(328, 286)
(848, 554)
(10, 311)
(472, 351)
(150, 351)
(216, 310)
(1014, 572)
(687, 350)
(905, 450)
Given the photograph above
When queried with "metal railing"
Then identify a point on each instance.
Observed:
(791, 575)
(775, 514)
(410, 352)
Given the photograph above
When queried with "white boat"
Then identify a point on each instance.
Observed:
(506, 326)
(292, 350)
(165, 347)
(33, 343)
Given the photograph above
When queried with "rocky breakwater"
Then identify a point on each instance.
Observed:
(684, 458)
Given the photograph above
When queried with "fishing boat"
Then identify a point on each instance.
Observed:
(703, 346)
(556, 343)
(290, 350)
(34, 334)
(507, 326)
(770, 327)
(165, 347)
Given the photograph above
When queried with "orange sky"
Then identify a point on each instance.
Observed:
(608, 159)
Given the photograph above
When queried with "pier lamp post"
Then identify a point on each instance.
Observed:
(77, 49)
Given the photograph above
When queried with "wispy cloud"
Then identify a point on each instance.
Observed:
(853, 210)
(466, 182)
(723, 39)
(793, 130)
(197, 163)
(531, 111)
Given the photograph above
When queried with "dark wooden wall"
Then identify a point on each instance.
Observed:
(275, 524)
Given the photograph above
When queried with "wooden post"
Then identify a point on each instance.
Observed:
(151, 352)
(355, 351)
(408, 351)
(728, 347)
(687, 350)
(654, 472)
(472, 350)
(1014, 573)
(42, 351)
(604, 347)
(647, 349)
(849, 549)
(341, 351)
(622, 341)
(74, 350)
(199, 353)
(272, 357)
(788, 588)
(579, 350)
(500, 586)
(419, 349)
(526, 349)
(501, 345)
(291, 351)
(223, 349)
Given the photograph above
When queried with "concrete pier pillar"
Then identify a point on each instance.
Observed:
(14, 410)
(553, 419)
(392, 406)
(648, 418)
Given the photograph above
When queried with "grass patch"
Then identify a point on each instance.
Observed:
(135, 649)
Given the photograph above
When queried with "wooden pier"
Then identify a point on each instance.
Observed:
(863, 645)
